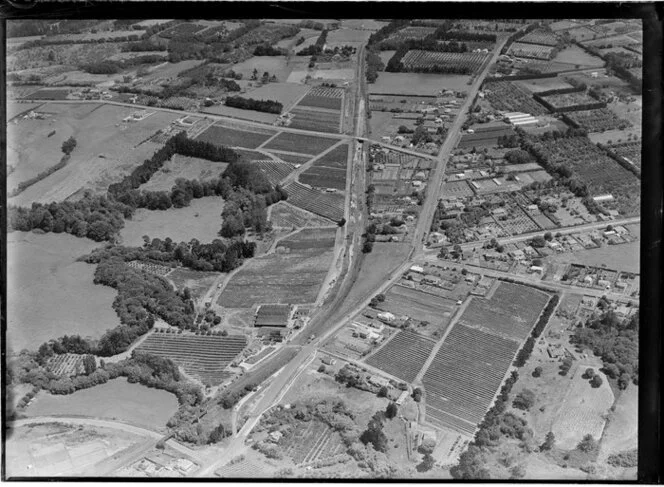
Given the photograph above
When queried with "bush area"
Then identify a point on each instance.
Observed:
(616, 342)
(626, 459)
(374, 64)
(268, 106)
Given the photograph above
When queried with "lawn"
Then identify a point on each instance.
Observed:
(107, 148)
(50, 294)
(418, 83)
(200, 220)
(183, 167)
(116, 400)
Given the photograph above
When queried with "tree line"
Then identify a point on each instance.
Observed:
(315, 48)
(268, 106)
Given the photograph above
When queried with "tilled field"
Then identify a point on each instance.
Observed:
(303, 144)
(235, 138)
(324, 204)
(403, 356)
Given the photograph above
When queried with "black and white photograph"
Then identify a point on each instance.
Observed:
(400, 248)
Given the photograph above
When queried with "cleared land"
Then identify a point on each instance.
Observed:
(203, 357)
(284, 214)
(117, 399)
(403, 356)
(49, 294)
(234, 138)
(417, 83)
(291, 276)
(183, 167)
(285, 93)
(200, 220)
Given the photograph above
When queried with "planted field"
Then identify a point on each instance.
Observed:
(543, 84)
(115, 400)
(534, 51)
(203, 357)
(329, 171)
(275, 171)
(403, 356)
(49, 94)
(303, 144)
(292, 158)
(417, 305)
(66, 364)
(485, 136)
(418, 83)
(285, 215)
(324, 204)
(465, 375)
(510, 97)
(542, 37)
(456, 189)
(322, 97)
(576, 56)
(285, 277)
(309, 238)
(314, 442)
(411, 32)
(570, 100)
(315, 120)
(50, 294)
(285, 93)
(183, 167)
(470, 61)
(234, 138)
(598, 120)
(510, 313)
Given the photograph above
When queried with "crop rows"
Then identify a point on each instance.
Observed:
(485, 137)
(540, 37)
(403, 356)
(155, 269)
(598, 120)
(421, 59)
(234, 138)
(310, 238)
(201, 356)
(323, 204)
(566, 100)
(245, 469)
(412, 32)
(315, 121)
(303, 144)
(323, 97)
(286, 215)
(509, 97)
(275, 171)
(464, 376)
(511, 312)
(534, 51)
(324, 177)
(66, 364)
(316, 441)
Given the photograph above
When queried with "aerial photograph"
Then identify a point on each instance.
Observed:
(323, 248)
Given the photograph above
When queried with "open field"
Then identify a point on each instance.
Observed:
(117, 399)
(582, 411)
(275, 65)
(107, 148)
(183, 167)
(284, 214)
(303, 144)
(200, 220)
(576, 56)
(324, 204)
(234, 138)
(285, 93)
(464, 377)
(198, 282)
(403, 356)
(418, 83)
(50, 294)
(621, 433)
(14, 109)
(203, 357)
(624, 257)
(239, 113)
(290, 276)
(510, 313)
(543, 84)
(345, 36)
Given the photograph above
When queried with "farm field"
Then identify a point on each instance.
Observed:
(598, 120)
(275, 171)
(324, 204)
(287, 277)
(117, 400)
(105, 153)
(311, 442)
(239, 113)
(621, 433)
(50, 294)
(315, 120)
(510, 97)
(403, 356)
(200, 220)
(183, 167)
(285, 93)
(485, 135)
(465, 375)
(303, 144)
(420, 59)
(330, 98)
(569, 100)
(275, 65)
(418, 83)
(540, 37)
(418, 305)
(510, 313)
(15, 108)
(582, 411)
(329, 171)
(203, 357)
(576, 56)
(234, 138)
(291, 158)
(534, 51)
(628, 150)
(344, 36)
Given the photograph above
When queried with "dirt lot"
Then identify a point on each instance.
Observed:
(117, 399)
(418, 83)
(107, 148)
(183, 167)
(200, 220)
(50, 294)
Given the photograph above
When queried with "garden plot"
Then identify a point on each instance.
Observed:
(542, 37)
(303, 144)
(183, 167)
(403, 356)
(418, 305)
(518, 223)
(285, 93)
(570, 101)
(583, 411)
(471, 61)
(599, 120)
(510, 313)
(465, 375)
(286, 277)
(510, 97)
(418, 83)
(322, 97)
(285, 215)
(220, 135)
(201, 356)
(316, 441)
(50, 294)
(456, 189)
(316, 120)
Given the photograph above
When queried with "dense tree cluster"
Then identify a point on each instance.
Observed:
(315, 48)
(268, 106)
(524, 353)
(387, 30)
(147, 45)
(112, 67)
(616, 341)
(267, 50)
(374, 433)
